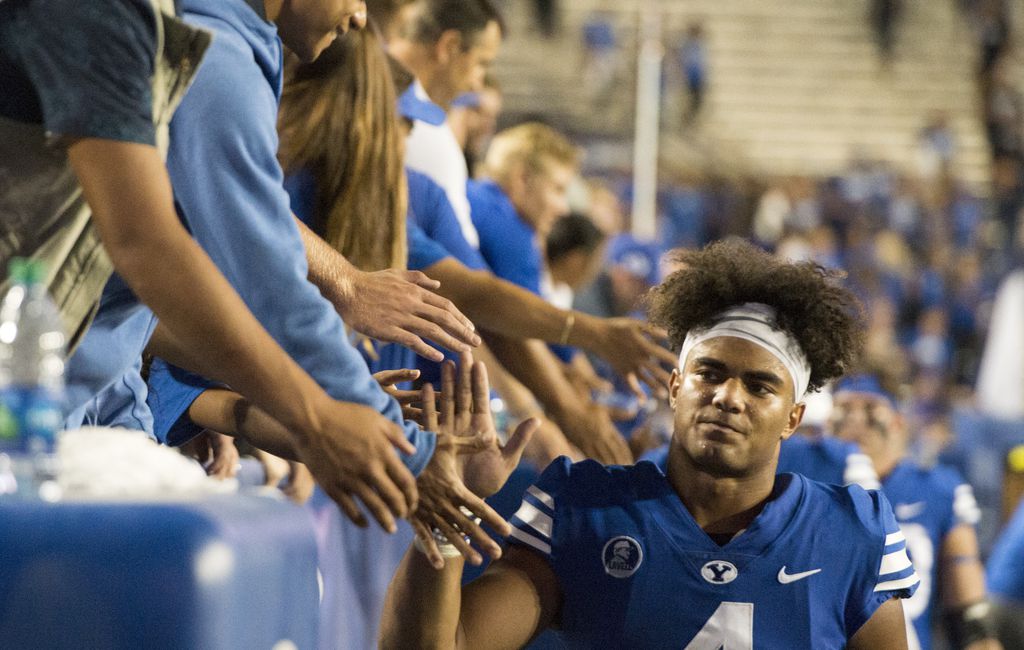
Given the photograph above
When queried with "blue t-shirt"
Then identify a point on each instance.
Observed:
(431, 211)
(171, 393)
(81, 69)
(102, 376)
(809, 571)
(928, 503)
(507, 243)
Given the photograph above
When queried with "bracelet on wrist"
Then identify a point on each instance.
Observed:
(570, 320)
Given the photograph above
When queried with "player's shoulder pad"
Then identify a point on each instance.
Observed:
(861, 513)
(588, 483)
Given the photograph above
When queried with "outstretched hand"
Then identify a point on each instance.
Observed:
(633, 349)
(388, 380)
(468, 464)
(401, 307)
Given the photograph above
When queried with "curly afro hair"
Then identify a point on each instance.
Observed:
(824, 317)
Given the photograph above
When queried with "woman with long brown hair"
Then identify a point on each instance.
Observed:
(341, 149)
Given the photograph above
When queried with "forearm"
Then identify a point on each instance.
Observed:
(422, 606)
(519, 401)
(532, 363)
(329, 270)
(223, 410)
(508, 309)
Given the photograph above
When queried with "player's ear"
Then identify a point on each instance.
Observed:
(796, 416)
(674, 382)
(448, 46)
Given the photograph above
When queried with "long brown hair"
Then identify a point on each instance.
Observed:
(338, 121)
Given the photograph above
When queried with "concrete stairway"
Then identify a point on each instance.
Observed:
(796, 86)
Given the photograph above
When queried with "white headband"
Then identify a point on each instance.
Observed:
(756, 323)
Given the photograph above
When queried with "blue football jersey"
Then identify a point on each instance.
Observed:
(636, 571)
(828, 460)
(928, 502)
(824, 459)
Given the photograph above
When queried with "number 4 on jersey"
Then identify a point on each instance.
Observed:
(731, 627)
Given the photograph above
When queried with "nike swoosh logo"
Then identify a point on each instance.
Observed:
(908, 510)
(786, 578)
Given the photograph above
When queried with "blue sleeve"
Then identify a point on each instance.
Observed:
(171, 393)
(506, 244)
(890, 574)
(88, 67)
(423, 251)
(228, 185)
(301, 188)
(533, 524)
(564, 352)
(430, 208)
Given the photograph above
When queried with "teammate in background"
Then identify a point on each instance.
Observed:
(718, 552)
(936, 511)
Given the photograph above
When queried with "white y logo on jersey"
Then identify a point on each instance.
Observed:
(719, 572)
(786, 578)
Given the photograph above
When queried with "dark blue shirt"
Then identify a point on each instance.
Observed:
(81, 69)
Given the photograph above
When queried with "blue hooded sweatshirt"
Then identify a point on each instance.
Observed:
(228, 189)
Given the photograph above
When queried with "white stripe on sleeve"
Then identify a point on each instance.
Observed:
(894, 562)
(533, 517)
(902, 583)
(893, 538)
(541, 496)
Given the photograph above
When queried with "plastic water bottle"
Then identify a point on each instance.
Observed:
(32, 350)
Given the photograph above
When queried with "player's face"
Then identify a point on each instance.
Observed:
(467, 67)
(307, 27)
(866, 420)
(733, 403)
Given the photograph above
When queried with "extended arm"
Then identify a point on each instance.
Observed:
(507, 309)
(394, 306)
(586, 425)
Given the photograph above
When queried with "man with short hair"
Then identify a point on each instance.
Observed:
(448, 45)
(936, 511)
(717, 552)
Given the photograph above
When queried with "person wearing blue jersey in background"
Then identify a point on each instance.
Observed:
(717, 552)
(936, 511)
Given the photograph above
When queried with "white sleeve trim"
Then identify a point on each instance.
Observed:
(902, 583)
(893, 538)
(534, 518)
(894, 562)
(541, 496)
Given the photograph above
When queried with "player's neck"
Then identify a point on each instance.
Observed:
(722, 505)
